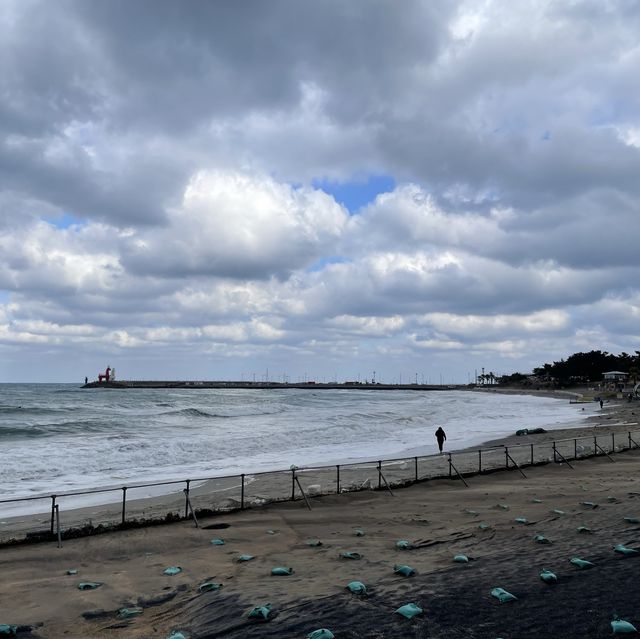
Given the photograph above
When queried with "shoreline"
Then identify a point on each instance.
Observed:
(225, 493)
(94, 497)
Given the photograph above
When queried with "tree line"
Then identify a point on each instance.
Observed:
(581, 368)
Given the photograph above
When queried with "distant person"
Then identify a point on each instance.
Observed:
(441, 436)
(86, 380)
(601, 404)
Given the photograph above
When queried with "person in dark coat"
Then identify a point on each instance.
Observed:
(441, 436)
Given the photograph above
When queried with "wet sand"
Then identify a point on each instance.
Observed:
(433, 516)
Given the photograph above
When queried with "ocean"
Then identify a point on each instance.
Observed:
(58, 437)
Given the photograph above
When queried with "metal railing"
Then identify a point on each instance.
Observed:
(135, 505)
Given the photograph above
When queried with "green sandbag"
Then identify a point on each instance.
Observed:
(504, 506)
(535, 500)
(351, 555)
(272, 532)
(89, 585)
(403, 544)
(357, 588)
(483, 525)
(129, 613)
(358, 532)
(217, 542)
(315, 543)
(632, 520)
(548, 577)
(245, 558)
(461, 559)
(405, 571)
(588, 504)
(557, 511)
(622, 627)
(583, 564)
(521, 520)
(260, 612)
(209, 586)
(623, 550)
(281, 571)
(176, 635)
(470, 512)
(8, 631)
(172, 570)
(72, 571)
(409, 610)
(502, 595)
(541, 539)
(321, 633)
(584, 530)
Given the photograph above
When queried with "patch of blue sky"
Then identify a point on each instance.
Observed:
(357, 193)
(4, 297)
(320, 264)
(64, 221)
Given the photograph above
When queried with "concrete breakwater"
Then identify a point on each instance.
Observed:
(269, 385)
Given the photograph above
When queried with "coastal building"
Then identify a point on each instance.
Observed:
(615, 376)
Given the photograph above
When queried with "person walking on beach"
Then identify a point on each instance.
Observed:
(441, 436)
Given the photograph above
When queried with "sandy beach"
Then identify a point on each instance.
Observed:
(581, 511)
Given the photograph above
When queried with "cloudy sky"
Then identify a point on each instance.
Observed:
(318, 189)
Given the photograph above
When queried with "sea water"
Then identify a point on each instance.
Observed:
(58, 437)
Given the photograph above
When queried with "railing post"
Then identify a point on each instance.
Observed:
(613, 442)
(531, 454)
(479, 461)
(595, 445)
(186, 499)
(415, 466)
(242, 491)
(59, 534)
(629, 440)
(53, 511)
(293, 484)
(506, 456)
(379, 474)
(575, 449)
(124, 503)
(337, 479)
(555, 456)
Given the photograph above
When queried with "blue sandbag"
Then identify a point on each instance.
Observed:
(623, 550)
(584, 530)
(557, 511)
(245, 558)
(357, 588)
(483, 525)
(314, 543)
(548, 577)
(405, 571)
(502, 595)
(129, 613)
(72, 571)
(622, 627)
(632, 520)
(581, 563)
(588, 504)
(403, 544)
(89, 585)
(217, 542)
(358, 532)
(541, 539)
(521, 520)
(281, 571)
(7, 630)
(409, 610)
(260, 612)
(172, 570)
(209, 586)
(321, 633)
(176, 635)
(461, 559)
(351, 555)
